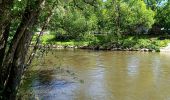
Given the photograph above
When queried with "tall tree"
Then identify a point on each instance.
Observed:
(13, 63)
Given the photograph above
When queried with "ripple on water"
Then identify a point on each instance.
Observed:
(106, 75)
(59, 89)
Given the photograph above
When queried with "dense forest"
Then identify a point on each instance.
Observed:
(102, 22)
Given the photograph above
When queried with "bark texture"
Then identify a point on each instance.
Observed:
(17, 67)
(13, 63)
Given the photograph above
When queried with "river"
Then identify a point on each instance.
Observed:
(98, 75)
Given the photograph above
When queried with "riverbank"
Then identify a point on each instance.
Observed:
(97, 47)
(165, 49)
(103, 42)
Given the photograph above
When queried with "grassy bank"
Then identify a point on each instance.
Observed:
(106, 42)
(136, 43)
(51, 39)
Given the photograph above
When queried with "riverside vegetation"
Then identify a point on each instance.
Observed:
(96, 24)
(102, 42)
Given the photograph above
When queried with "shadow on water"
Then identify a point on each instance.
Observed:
(49, 84)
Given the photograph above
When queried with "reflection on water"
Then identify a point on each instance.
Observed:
(133, 66)
(105, 75)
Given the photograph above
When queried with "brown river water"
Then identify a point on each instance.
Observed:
(98, 75)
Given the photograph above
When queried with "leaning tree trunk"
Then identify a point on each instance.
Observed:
(17, 67)
(3, 43)
(46, 22)
(14, 61)
(5, 19)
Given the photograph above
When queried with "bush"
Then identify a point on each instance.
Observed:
(143, 43)
(153, 47)
(161, 43)
(88, 37)
(129, 42)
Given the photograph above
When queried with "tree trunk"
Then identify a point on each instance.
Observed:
(14, 61)
(5, 13)
(17, 67)
(5, 19)
(5, 69)
(3, 43)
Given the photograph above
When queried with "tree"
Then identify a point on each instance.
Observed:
(163, 16)
(128, 15)
(19, 22)
(161, 9)
(5, 19)
(13, 62)
(20, 18)
(74, 19)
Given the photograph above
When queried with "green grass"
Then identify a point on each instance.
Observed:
(50, 39)
(47, 38)
(135, 42)
(72, 43)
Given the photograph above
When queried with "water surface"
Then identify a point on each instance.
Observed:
(99, 75)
